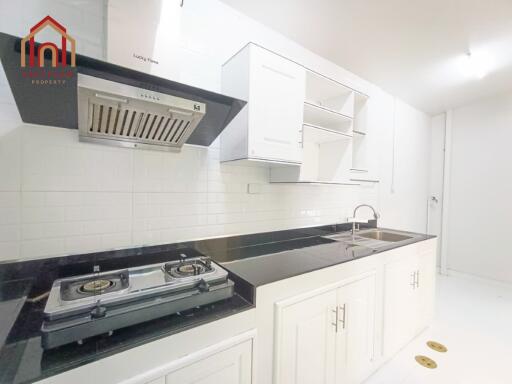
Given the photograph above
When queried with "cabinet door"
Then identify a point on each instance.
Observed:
(426, 283)
(306, 341)
(160, 380)
(400, 303)
(231, 366)
(276, 102)
(356, 330)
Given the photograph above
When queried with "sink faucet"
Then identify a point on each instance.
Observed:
(375, 216)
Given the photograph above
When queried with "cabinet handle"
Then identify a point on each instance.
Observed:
(343, 318)
(418, 278)
(413, 284)
(335, 321)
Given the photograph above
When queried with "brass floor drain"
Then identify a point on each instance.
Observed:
(426, 362)
(438, 347)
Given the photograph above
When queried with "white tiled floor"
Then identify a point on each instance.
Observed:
(474, 320)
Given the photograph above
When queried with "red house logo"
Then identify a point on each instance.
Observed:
(56, 60)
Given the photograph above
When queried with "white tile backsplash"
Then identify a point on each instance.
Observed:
(70, 222)
(54, 160)
(79, 197)
(10, 224)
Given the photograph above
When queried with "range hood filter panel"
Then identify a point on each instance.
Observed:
(123, 115)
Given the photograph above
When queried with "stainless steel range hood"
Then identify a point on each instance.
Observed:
(122, 115)
(101, 98)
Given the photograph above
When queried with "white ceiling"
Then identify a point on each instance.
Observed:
(411, 48)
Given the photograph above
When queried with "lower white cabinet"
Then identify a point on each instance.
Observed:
(400, 303)
(342, 332)
(356, 330)
(227, 362)
(326, 336)
(307, 340)
(426, 282)
(231, 366)
(408, 296)
(160, 380)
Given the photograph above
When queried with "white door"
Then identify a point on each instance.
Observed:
(277, 91)
(356, 330)
(435, 201)
(231, 366)
(306, 337)
(400, 303)
(426, 284)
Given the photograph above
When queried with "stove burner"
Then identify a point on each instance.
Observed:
(96, 286)
(187, 268)
(190, 269)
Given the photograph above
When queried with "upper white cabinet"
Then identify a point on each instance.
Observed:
(327, 337)
(307, 127)
(331, 147)
(269, 127)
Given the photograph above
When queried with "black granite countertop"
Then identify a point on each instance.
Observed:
(283, 264)
(251, 260)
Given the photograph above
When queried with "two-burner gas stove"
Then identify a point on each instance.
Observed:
(83, 306)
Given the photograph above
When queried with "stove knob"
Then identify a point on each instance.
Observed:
(98, 311)
(203, 286)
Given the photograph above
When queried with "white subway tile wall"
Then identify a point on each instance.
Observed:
(61, 197)
(77, 197)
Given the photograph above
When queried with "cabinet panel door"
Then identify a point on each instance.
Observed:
(307, 341)
(426, 288)
(356, 331)
(277, 91)
(400, 303)
(231, 366)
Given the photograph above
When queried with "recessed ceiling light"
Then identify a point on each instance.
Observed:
(476, 64)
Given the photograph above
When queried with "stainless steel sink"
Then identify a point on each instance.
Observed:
(384, 236)
(375, 239)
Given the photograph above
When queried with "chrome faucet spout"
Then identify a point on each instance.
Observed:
(375, 215)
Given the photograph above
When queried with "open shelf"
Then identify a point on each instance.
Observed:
(325, 92)
(360, 113)
(317, 182)
(359, 153)
(326, 158)
(319, 135)
(326, 118)
(361, 175)
(358, 180)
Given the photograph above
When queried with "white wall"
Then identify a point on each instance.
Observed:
(406, 168)
(59, 196)
(479, 208)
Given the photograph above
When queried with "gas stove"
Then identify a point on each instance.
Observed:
(83, 306)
